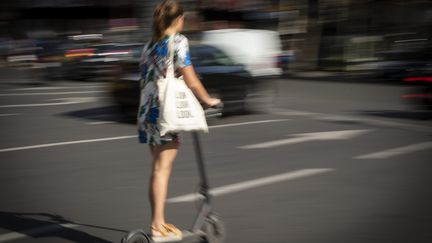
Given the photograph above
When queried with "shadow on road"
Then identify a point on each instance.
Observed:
(411, 115)
(43, 225)
(107, 113)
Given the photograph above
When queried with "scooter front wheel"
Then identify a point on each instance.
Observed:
(136, 236)
(214, 229)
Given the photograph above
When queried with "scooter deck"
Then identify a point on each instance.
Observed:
(189, 237)
(141, 236)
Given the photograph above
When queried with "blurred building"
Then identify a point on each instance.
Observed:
(354, 33)
(41, 18)
(20, 17)
(345, 35)
(339, 35)
(323, 34)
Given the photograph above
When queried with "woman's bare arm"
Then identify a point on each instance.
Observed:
(196, 86)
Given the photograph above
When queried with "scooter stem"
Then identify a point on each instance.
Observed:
(206, 208)
(204, 184)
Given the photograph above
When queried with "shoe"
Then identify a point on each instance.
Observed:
(167, 234)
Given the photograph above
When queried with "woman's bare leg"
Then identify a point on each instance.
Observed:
(163, 158)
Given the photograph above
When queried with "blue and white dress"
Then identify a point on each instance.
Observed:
(153, 66)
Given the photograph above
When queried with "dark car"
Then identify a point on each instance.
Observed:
(105, 63)
(75, 49)
(50, 58)
(22, 54)
(395, 64)
(219, 74)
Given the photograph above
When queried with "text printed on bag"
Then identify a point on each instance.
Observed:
(182, 104)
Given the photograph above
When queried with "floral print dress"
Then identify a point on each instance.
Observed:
(153, 66)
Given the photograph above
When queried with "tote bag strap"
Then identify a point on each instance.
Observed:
(170, 68)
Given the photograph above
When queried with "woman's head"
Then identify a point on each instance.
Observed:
(168, 14)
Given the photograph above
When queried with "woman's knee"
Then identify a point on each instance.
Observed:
(162, 166)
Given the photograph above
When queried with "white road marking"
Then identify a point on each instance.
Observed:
(350, 118)
(248, 123)
(214, 126)
(59, 87)
(64, 101)
(245, 185)
(66, 143)
(118, 138)
(36, 88)
(397, 151)
(57, 93)
(284, 112)
(307, 137)
(35, 231)
(11, 114)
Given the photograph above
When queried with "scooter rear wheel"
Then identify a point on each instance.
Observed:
(136, 236)
(214, 229)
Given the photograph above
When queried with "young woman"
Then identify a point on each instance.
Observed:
(167, 23)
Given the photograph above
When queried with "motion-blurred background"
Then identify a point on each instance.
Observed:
(349, 39)
(331, 35)
(326, 101)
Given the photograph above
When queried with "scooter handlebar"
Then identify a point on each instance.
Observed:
(214, 111)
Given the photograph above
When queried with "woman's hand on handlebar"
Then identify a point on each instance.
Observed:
(211, 102)
(213, 107)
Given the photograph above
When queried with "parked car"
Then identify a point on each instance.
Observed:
(22, 54)
(73, 55)
(5, 46)
(419, 92)
(396, 63)
(73, 50)
(50, 57)
(220, 75)
(104, 63)
(81, 57)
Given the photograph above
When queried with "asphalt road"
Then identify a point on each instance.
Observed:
(333, 162)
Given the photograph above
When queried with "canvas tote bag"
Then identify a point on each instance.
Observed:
(180, 109)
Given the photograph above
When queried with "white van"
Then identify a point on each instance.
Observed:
(258, 50)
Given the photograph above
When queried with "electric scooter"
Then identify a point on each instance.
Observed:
(207, 227)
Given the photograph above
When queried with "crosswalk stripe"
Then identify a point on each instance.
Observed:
(241, 186)
(123, 137)
(397, 151)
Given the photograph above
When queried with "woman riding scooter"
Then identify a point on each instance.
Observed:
(167, 23)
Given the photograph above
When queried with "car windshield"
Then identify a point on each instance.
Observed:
(209, 56)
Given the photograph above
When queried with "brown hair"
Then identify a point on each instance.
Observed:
(164, 14)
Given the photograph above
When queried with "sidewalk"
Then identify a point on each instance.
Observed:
(339, 76)
(315, 74)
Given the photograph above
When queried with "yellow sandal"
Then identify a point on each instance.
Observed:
(167, 234)
(171, 228)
